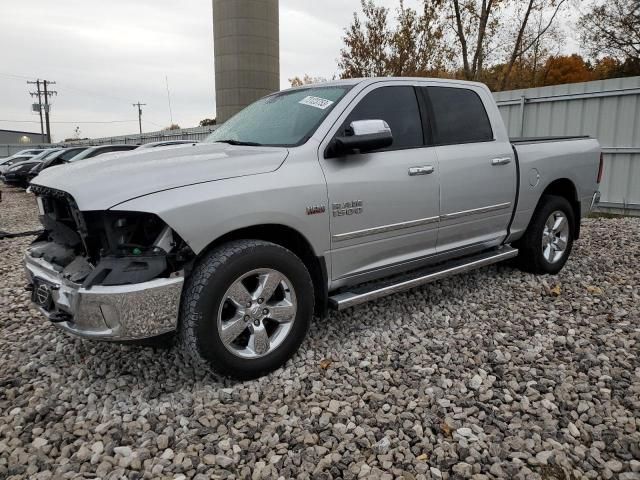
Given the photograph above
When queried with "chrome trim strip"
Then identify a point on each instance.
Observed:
(473, 211)
(350, 299)
(416, 223)
(384, 229)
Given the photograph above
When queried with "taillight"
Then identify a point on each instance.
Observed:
(600, 168)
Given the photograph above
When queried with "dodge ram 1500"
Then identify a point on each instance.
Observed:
(317, 197)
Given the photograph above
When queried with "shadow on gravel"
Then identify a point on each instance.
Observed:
(433, 293)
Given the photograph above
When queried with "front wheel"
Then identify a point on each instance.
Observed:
(547, 242)
(246, 309)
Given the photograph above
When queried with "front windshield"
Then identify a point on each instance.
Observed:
(286, 118)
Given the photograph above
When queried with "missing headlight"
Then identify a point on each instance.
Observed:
(132, 247)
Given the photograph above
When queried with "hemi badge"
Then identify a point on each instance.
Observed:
(315, 209)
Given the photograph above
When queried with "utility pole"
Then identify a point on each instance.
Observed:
(39, 106)
(46, 107)
(139, 105)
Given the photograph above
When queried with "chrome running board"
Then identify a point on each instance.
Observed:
(358, 295)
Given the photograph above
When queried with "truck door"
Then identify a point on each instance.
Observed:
(384, 204)
(477, 169)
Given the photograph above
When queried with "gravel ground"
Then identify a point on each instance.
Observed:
(18, 211)
(493, 374)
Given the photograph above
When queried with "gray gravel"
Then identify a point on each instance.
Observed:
(494, 374)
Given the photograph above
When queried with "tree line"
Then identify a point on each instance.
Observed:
(506, 44)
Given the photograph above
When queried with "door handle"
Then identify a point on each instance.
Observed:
(424, 170)
(500, 161)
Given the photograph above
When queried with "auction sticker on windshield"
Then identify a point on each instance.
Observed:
(317, 102)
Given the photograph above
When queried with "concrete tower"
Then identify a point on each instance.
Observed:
(247, 53)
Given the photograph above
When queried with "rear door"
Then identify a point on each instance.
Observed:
(477, 168)
(383, 214)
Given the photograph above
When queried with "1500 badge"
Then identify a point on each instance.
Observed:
(353, 207)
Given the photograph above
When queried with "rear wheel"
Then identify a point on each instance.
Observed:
(246, 309)
(547, 243)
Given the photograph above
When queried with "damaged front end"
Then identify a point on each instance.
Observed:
(105, 274)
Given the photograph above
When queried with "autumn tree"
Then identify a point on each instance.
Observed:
(305, 80)
(504, 43)
(612, 28)
(366, 43)
(413, 46)
(416, 45)
(566, 69)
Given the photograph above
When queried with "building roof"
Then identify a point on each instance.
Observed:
(18, 131)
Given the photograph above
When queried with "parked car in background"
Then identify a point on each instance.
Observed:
(31, 152)
(296, 204)
(40, 156)
(13, 160)
(165, 143)
(58, 158)
(100, 150)
(18, 174)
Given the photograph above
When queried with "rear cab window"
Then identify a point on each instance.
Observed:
(459, 116)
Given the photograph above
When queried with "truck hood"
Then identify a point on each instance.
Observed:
(102, 182)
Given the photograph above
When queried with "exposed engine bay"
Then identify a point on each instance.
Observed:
(105, 247)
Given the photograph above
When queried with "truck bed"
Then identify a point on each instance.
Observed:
(542, 160)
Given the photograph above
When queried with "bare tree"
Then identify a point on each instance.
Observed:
(474, 23)
(522, 45)
(612, 28)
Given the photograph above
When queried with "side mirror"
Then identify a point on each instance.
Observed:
(362, 135)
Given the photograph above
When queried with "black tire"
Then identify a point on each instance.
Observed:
(531, 257)
(203, 297)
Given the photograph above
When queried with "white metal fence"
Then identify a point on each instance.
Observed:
(196, 133)
(608, 110)
(8, 149)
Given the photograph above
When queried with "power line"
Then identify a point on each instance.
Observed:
(39, 106)
(79, 121)
(17, 77)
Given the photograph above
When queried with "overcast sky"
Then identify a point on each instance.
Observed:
(106, 55)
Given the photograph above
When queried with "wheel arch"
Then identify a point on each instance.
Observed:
(292, 240)
(564, 187)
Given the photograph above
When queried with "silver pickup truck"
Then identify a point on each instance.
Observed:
(318, 197)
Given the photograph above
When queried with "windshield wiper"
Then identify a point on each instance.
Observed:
(238, 142)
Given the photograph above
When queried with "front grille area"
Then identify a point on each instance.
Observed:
(59, 204)
(104, 247)
(63, 222)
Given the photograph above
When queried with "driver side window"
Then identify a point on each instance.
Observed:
(396, 105)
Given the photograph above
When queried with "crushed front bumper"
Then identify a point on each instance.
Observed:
(119, 313)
